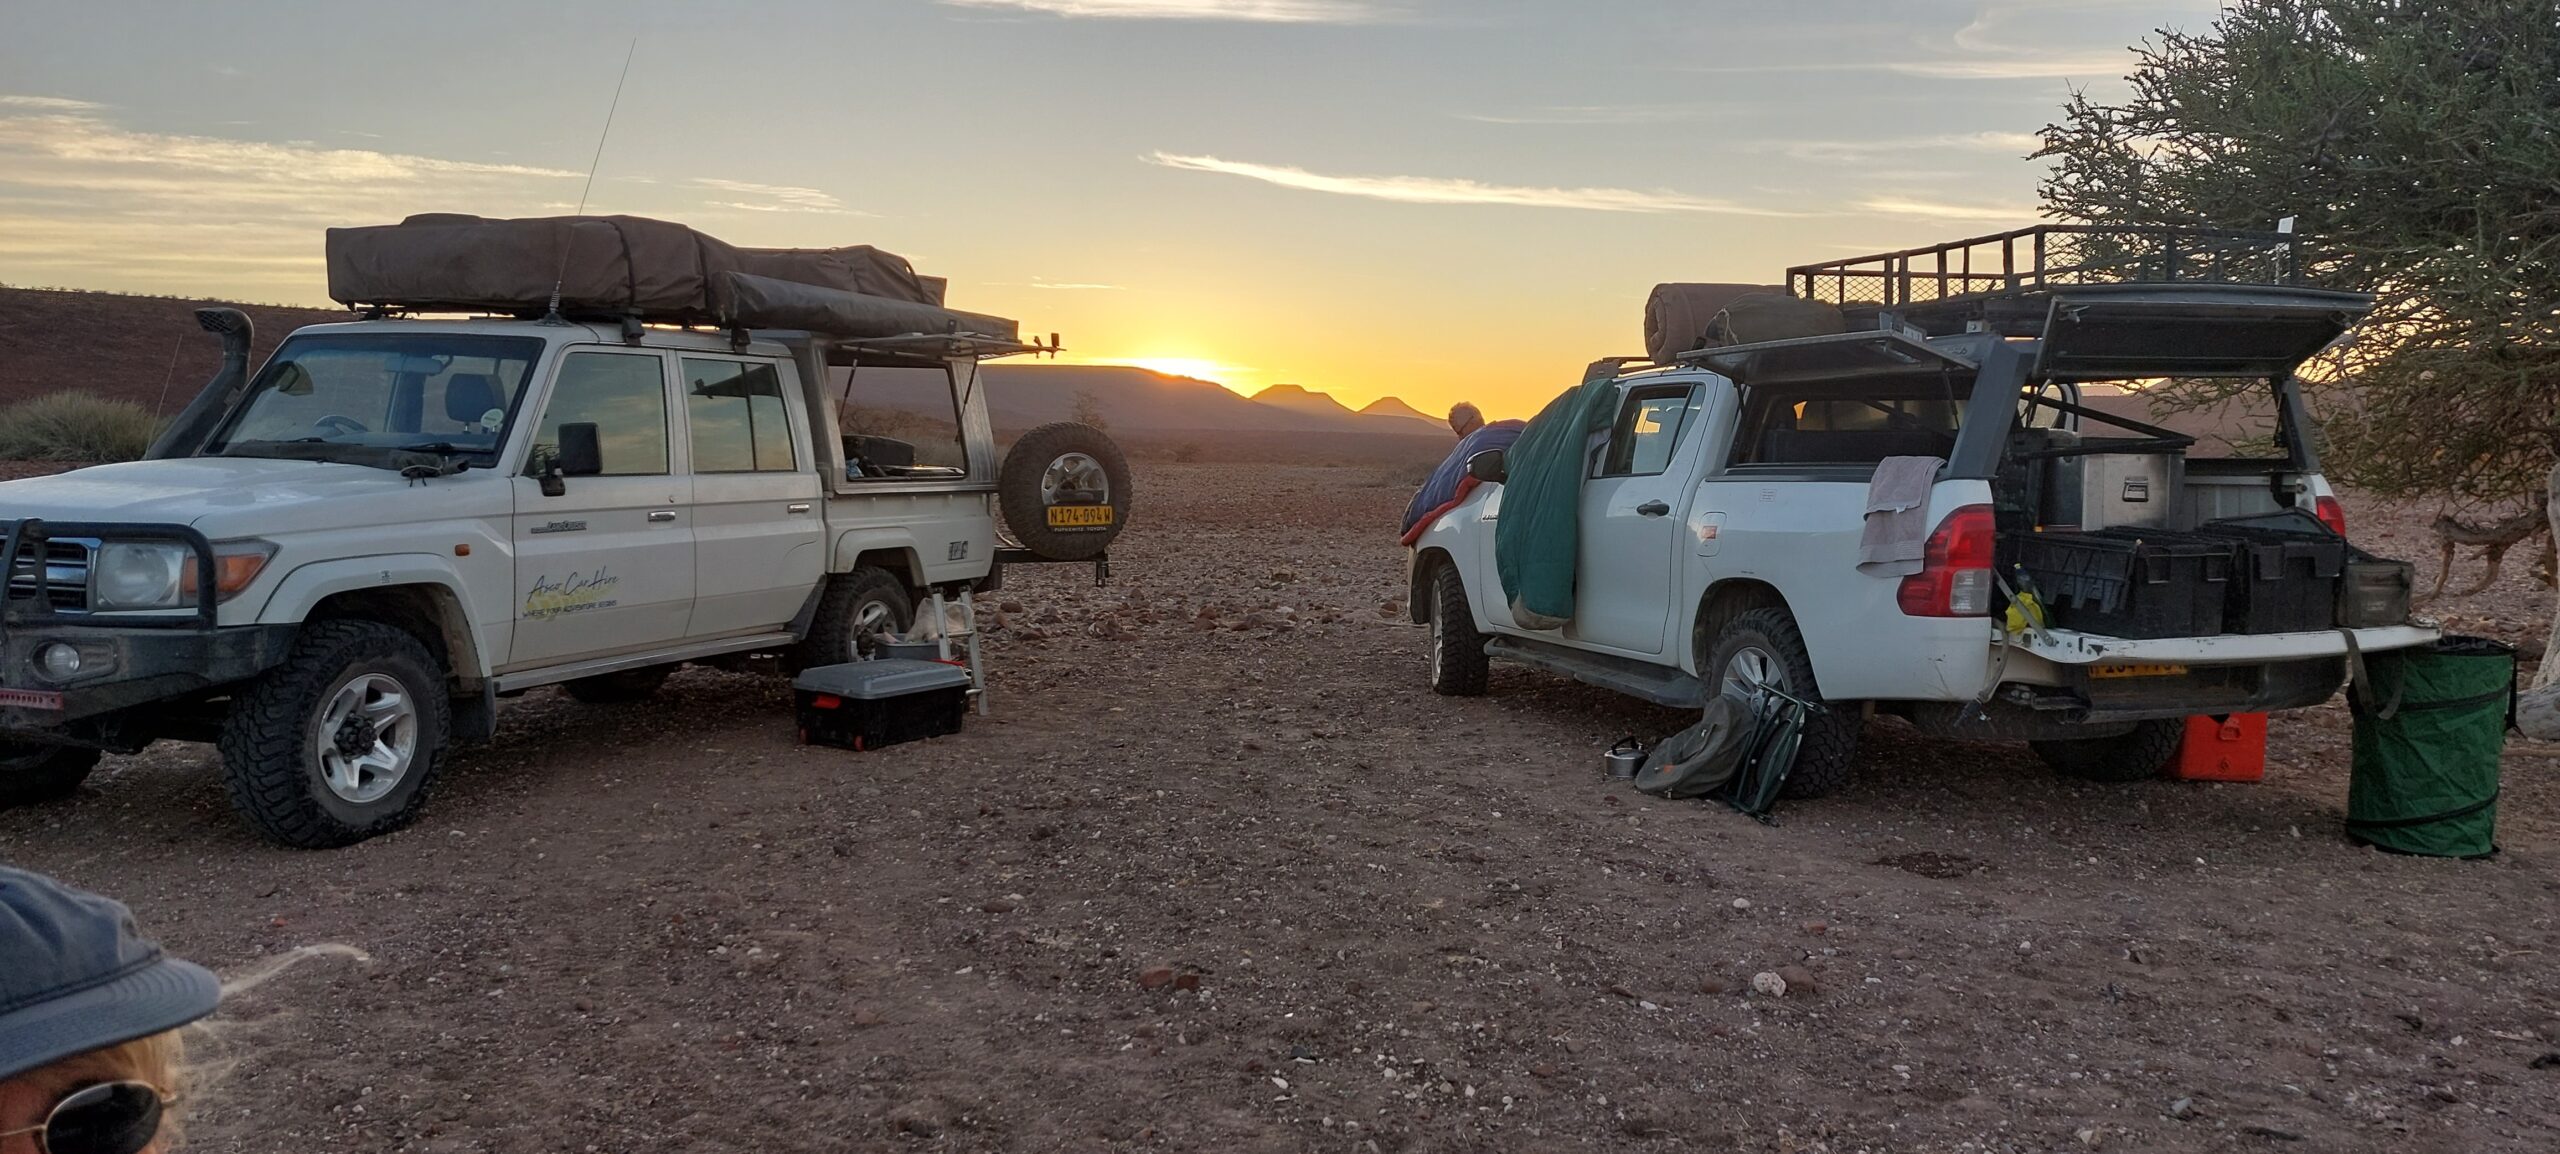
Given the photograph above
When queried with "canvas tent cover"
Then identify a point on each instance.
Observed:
(616, 266)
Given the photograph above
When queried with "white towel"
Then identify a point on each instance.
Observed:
(1896, 536)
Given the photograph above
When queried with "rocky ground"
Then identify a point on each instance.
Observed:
(1219, 874)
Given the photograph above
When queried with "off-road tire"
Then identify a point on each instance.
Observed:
(1026, 510)
(267, 742)
(1824, 760)
(2136, 756)
(622, 688)
(30, 774)
(833, 629)
(1459, 667)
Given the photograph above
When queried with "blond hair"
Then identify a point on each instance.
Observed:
(160, 1060)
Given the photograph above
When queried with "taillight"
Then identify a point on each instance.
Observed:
(2331, 514)
(1955, 574)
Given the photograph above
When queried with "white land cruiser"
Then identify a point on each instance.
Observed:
(334, 569)
(1720, 522)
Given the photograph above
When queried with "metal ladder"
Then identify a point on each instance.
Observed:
(968, 635)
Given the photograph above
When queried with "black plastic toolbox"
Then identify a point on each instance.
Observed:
(869, 704)
(2131, 583)
(2291, 576)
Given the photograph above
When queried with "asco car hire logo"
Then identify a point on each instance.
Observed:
(575, 593)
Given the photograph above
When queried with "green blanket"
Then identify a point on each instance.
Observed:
(1536, 541)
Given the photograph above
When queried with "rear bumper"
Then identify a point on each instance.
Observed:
(124, 672)
(2065, 648)
(2187, 676)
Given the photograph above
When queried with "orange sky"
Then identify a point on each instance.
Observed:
(1427, 198)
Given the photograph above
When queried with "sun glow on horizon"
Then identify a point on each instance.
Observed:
(1197, 368)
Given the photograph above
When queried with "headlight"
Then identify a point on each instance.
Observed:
(130, 575)
(137, 575)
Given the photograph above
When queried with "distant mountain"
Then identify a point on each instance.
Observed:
(1301, 399)
(149, 350)
(1395, 407)
(1129, 400)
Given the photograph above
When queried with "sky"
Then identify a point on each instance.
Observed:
(1433, 199)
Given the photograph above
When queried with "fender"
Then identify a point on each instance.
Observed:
(308, 585)
(851, 544)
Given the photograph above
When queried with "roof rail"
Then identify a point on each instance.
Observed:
(1986, 278)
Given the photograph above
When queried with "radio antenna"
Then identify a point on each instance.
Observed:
(552, 314)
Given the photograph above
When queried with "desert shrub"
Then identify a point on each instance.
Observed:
(1088, 409)
(1188, 452)
(76, 427)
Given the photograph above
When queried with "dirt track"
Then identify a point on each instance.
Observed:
(1414, 923)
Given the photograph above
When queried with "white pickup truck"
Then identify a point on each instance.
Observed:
(1721, 518)
(335, 567)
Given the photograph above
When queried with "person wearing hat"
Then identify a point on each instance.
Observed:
(89, 1017)
(1449, 483)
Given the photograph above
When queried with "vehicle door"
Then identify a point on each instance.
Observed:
(756, 526)
(1633, 502)
(606, 565)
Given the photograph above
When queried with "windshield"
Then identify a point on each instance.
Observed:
(372, 398)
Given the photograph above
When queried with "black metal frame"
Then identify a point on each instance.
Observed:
(2129, 254)
(1018, 555)
(32, 533)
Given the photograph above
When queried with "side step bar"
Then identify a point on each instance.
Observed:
(529, 678)
(1634, 678)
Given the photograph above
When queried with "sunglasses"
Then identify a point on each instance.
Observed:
(108, 1118)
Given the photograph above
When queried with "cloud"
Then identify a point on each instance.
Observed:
(1259, 11)
(47, 103)
(1938, 210)
(1440, 190)
(2107, 65)
(775, 198)
(1596, 114)
(86, 201)
(2013, 143)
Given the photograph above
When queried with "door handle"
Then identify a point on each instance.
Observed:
(1654, 509)
(662, 515)
(796, 507)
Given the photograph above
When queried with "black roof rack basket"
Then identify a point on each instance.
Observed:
(2109, 302)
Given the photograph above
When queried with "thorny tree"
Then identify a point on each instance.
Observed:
(2418, 144)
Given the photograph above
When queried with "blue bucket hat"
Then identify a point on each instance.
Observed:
(76, 975)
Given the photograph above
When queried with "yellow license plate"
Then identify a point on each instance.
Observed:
(2137, 669)
(1079, 516)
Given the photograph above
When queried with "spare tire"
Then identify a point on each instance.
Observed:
(1064, 490)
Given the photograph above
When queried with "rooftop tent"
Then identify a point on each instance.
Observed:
(630, 266)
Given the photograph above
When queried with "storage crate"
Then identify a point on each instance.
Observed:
(2130, 583)
(865, 705)
(2375, 591)
(2286, 580)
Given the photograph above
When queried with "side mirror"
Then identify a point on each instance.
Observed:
(1490, 466)
(581, 451)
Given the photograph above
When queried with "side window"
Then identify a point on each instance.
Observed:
(625, 396)
(1647, 431)
(903, 424)
(736, 416)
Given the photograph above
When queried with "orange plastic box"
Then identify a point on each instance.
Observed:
(2230, 748)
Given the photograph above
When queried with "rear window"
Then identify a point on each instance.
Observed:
(1819, 425)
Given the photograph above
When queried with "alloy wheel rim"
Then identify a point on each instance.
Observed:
(1752, 667)
(367, 737)
(1074, 472)
(872, 623)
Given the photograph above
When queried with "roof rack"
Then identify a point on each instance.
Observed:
(2003, 282)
